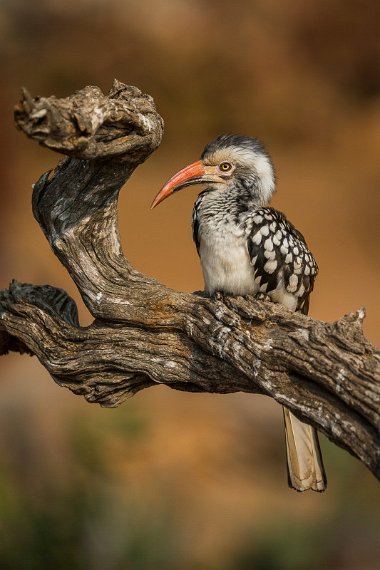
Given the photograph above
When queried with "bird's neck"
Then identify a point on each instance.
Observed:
(229, 203)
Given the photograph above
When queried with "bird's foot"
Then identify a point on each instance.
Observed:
(262, 297)
(218, 296)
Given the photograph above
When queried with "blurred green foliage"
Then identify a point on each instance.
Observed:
(86, 519)
(90, 517)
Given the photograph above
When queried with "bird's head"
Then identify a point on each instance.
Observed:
(230, 162)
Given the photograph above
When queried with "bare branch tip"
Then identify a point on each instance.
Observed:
(361, 314)
(354, 318)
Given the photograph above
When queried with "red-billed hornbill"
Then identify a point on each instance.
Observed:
(247, 248)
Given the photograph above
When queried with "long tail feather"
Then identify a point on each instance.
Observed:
(305, 465)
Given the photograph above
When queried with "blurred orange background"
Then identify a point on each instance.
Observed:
(172, 480)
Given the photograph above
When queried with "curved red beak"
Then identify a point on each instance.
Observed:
(196, 173)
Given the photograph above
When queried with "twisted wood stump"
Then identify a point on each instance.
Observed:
(144, 333)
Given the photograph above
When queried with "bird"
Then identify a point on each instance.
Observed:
(247, 248)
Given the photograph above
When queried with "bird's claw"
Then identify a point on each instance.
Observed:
(218, 296)
(262, 297)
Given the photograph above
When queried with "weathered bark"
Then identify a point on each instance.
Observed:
(144, 333)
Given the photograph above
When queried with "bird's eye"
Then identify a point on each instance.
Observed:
(225, 166)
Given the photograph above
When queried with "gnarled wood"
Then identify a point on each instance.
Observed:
(145, 333)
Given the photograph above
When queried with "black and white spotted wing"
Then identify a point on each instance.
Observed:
(280, 256)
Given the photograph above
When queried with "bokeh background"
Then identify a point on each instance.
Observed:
(169, 480)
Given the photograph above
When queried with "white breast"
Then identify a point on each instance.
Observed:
(225, 262)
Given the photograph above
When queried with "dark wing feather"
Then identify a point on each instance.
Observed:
(279, 252)
(195, 226)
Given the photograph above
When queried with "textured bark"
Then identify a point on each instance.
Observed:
(144, 333)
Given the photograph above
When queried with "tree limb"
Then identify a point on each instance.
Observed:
(144, 333)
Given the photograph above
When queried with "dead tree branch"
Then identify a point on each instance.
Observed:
(144, 333)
